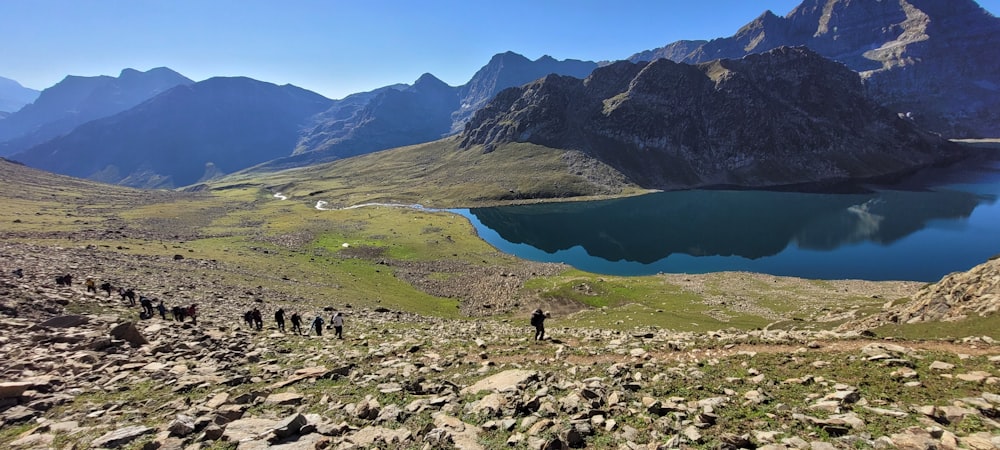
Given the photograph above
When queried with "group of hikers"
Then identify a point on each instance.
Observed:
(254, 320)
(149, 310)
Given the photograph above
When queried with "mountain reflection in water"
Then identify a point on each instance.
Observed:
(729, 230)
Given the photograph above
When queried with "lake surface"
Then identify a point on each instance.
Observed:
(921, 228)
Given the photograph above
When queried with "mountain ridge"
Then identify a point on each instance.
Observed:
(13, 96)
(905, 51)
(427, 110)
(232, 121)
(76, 100)
(787, 116)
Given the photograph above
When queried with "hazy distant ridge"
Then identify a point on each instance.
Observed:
(13, 96)
(188, 134)
(77, 100)
(426, 111)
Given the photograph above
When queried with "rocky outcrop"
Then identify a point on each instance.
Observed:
(935, 60)
(961, 295)
(783, 117)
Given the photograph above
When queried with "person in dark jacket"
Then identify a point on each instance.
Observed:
(279, 318)
(318, 325)
(538, 321)
(296, 323)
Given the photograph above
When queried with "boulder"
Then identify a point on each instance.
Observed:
(502, 381)
(63, 322)
(127, 331)
(13, 389)
(121, 436)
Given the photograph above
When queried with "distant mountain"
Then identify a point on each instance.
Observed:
(426, 111)
(508, 70)
(786, 116)
(936, 60)
(391, 118)
(188, 134)
(77, 100)
(13, 96)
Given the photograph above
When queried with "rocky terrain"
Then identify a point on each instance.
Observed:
(83, 370)
(958, 296)
(783, 117)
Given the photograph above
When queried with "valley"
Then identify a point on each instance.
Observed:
(431, 310)
(863, 126)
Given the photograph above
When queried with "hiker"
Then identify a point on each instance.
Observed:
(279, 318)
(147, 307)
(318, 325)
(91, 285)
(193, 312)
(179, 313)
(338, 324)
(106, 287)
(248, 318)
(130, 295)
(538, 321)
(296, 323)
(258, 320)
(162, 309)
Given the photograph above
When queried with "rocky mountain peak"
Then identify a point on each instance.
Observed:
(931, 59)
(429, 82)
(783, 117)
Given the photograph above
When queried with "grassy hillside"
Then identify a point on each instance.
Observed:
(439, 175)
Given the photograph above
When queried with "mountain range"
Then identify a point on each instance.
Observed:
(425, 111)
(76, 100)
(188, 134)
(938, 61)
(934, 62)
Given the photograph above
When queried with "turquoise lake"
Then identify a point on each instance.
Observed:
(919, 228)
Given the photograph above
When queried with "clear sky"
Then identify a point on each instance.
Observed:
(338, 47)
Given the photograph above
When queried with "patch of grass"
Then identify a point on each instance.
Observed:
(13, 431)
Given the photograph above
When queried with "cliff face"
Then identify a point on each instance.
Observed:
(936, 60)
(784, 117)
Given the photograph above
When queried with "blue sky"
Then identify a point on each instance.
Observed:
(338, 47)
